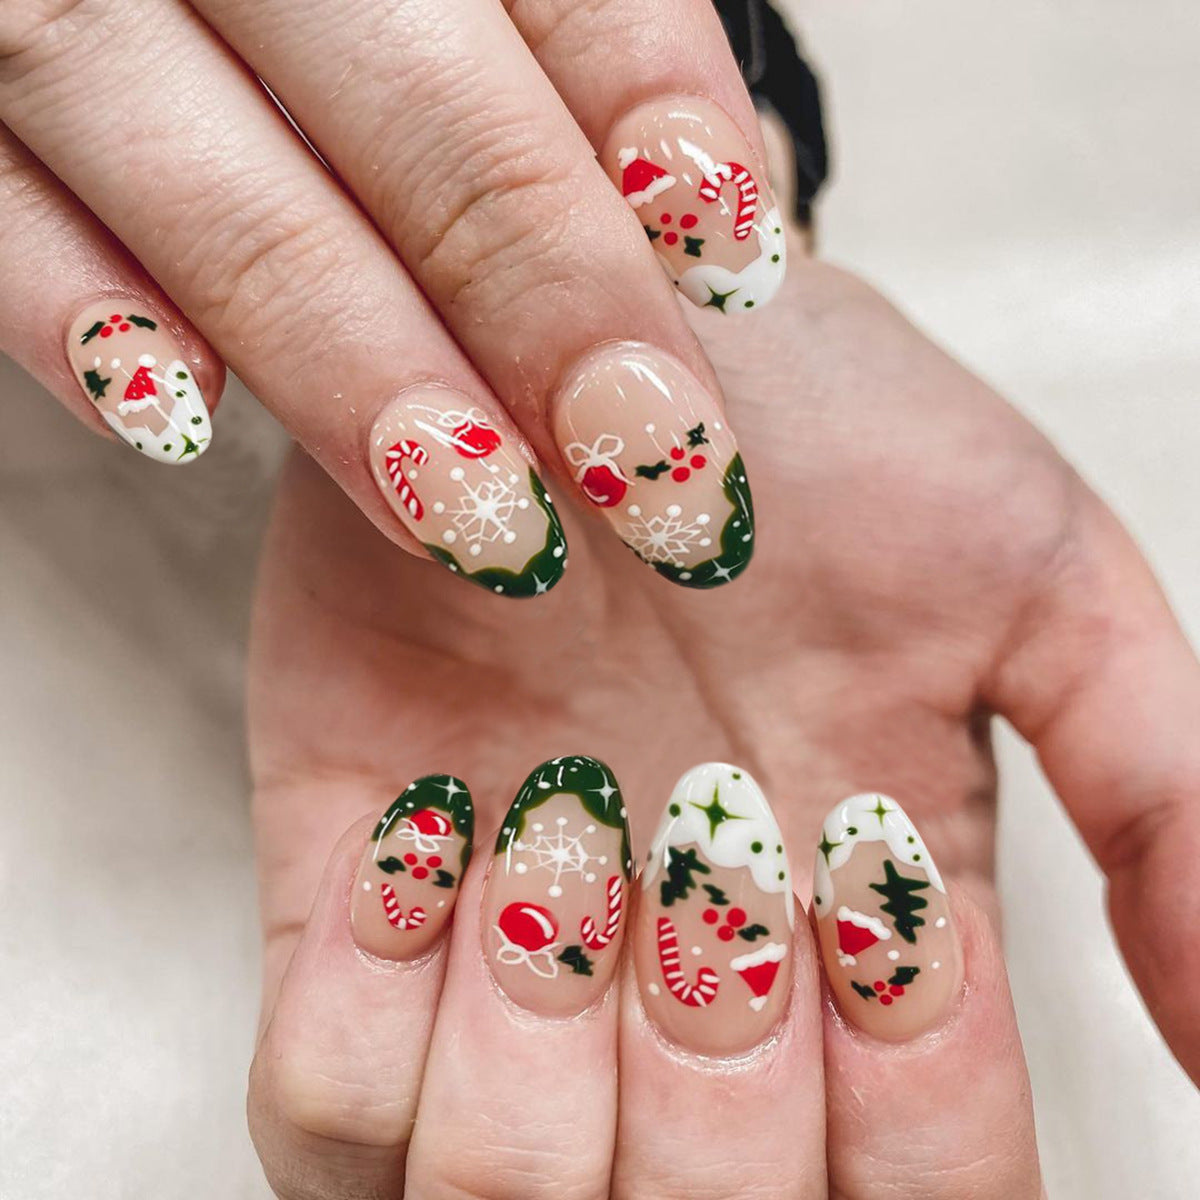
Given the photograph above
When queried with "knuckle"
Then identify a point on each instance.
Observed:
(33, 30)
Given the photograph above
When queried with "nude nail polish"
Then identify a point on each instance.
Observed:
(460, 485)
(887, 935)
(140, 380)
(703, 199)
(409, 877)
(648, 446)
(555, 896)
(714, 929)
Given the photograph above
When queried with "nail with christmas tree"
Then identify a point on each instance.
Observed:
(887, 934)
(702, 196)
(140, 379)
(555, 897)
(409, 877)
(649, 448)
(459, 480)
(714, 930)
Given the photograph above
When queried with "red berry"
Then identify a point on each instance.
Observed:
(665, 218)
(725, 933)
(419, 872)
(736, 917)
(680, 474)
(115, 318)
(678, 453)
(879, 985)
(711, 916)
(896, 990)
(670, 237)
(106, 331)
(698, 461)
(124, 328)
(434, 861)
(411, 858)
(885, 999)
(689, 221)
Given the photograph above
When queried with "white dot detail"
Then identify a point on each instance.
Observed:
(554, 890)
(703, 519)
(653, 989)
(449, 537)
(940, 923)
(893, 955)
(521, 868)
(146, 360)
(439, 507)
(634, 510)
(937, 966)
(673, 510)
(458, 474)
(366, 885)
(697, 951)
(476, 550)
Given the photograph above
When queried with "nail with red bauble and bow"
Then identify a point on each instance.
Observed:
(410, 873)
(555, 897)
(714, 937)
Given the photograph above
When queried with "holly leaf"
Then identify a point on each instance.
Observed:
(904, 976)
(96, 384)
(682, 868)
(753, 932)
(91, 333)
(697, 437)
(574, 957)
(865, 992)
(715, 895)
(141, 322)
(653, 471)
(691, 245)
(444, 879)
(391, 865)
(652, 233)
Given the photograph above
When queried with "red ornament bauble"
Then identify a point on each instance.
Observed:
(529, 926)
(603, 486)
(473, 440)
(430, 823)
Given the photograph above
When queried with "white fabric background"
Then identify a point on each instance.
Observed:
(1023, 180)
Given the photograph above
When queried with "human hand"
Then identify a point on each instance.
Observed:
(411, 314)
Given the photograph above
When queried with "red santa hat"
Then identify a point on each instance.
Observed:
(641, 180)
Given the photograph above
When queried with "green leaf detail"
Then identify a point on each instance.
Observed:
(141, 322)
(691, 245)
(682, 868)
(92, 332)
(753, 932)
(652, 471)
(444, 879)
(902, 902)
(443, 793)
(715, 895)
(865, 992)
(904, 976)
(96, 384)
(574, 957)
(391, 865)
(697, 436)
(652, 234)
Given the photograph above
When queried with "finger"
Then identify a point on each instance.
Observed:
(519, 1097)
(334, 1085)
(465, 156)
(928, 1095)
(282, 272)
(86, 321)
(724, 1016)
(1099, 677)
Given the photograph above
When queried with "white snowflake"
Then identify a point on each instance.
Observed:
(562, 854)
(667, 538)
(484, 513)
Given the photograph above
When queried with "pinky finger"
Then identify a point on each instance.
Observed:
(84, 318)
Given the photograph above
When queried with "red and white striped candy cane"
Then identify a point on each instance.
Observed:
(597, 939)
(406, 448)
(695, 995)
(740, 177)
(396, 917)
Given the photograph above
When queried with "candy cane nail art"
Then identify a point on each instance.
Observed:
(714, 935)
(554, 900)
(887, 935)
(460, 485)
(688, 173)
(139, 380)
(650, 449)
(409, 877)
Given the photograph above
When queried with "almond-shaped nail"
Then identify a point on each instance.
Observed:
(702, 198)
(648, 446)
(555, 896)
(887, 935)
(463, 489)
(136, 374)
(410, 874)
(714, 928)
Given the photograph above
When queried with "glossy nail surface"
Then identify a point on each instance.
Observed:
(702, 198)
(463, 489)
(714, 928)
(555, 897)
(647, 445)
(887, 937)
(134, 372)
(409, 878)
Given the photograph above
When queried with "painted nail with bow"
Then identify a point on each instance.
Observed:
(408, 881)
(714, 931)
(462, 488)
(887, 935)
(555, 897)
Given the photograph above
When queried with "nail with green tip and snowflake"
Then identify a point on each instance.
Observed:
(555, 896)
(887, 935)
(650, 449)
(409, 877)
(456, 478)
(138, 377)
(714, 929)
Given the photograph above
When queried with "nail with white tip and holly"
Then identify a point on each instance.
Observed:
(138, 377)
(461, 486)
(409, 877)
(649, 448)
(714, 929)
(555, 896)
(887, 935)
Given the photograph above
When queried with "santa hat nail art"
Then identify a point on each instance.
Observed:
(641, 180)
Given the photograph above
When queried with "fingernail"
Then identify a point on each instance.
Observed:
(891, 952)
(702, 198)
(133, 371)
(554, 900)
(648, 446)
(410, 874)
(463, 489)
(714, 929)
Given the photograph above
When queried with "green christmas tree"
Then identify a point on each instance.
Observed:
(902, 903)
